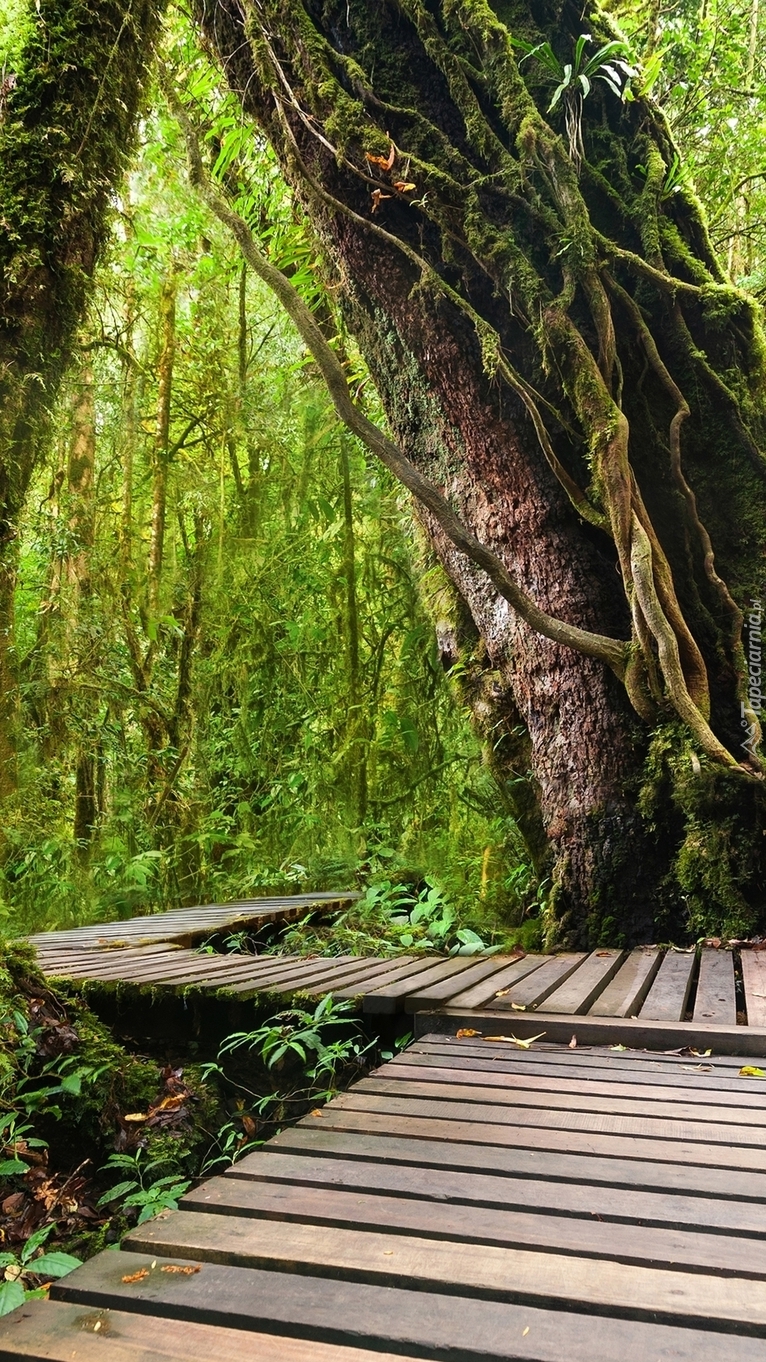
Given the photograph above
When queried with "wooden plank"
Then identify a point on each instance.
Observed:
(502, 1273)
(398, 970)
(487, 991)
(368, 1120)
(632, 1243)
(433, 1147)
(580, 989)
(754, 979)
(344, 1312)
(44, 1331)
(306, 975)
(624, 996)
(453, 1088)
(613, 1057)
(613, 1061)
(668, 996)
(533, 990)
(715, 1003)
(444, 989)
(512, 1192)
(649, 1127)
(562, 1083)
(388, 998)
(740, 1041)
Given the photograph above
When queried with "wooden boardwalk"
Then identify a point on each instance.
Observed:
(467, 1201)
(646, 997)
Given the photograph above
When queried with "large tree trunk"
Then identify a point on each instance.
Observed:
(67, 116)
(542, 313)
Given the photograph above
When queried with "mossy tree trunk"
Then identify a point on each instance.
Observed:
(70, 99)
(558, 350)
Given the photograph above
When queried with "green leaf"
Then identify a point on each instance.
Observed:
(10, 1166)
(35, 1241)
(54, 1264)
(114, 1192)
(11, 1296)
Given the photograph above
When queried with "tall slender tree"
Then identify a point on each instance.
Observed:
(72, 87)
(561, 355)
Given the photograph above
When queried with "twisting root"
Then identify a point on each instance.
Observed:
(667, 647)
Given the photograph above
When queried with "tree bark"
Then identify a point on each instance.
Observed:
(541, 325)
(66, 126)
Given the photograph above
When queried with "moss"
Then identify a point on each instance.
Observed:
(65, 132)
(718, 870)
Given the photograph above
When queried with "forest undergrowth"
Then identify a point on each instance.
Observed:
(96, 1135)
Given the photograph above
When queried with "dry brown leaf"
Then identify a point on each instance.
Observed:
(385, 162)
(186, 1269)
(466, 1031)
(137, 1276)
(404, 186)
(377, 198)
(136, 1117)
(316, 1112)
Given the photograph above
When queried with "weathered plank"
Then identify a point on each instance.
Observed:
(388, 997)
(511, 1192)
(487, 991)
(533, 990)
(564, 1097)
(482, 971)
(754, 979)
(580, 989)
(367, 1120)
(58, 1332)
(627, 991)
(479, 1225)
(715, 1003)
(610, 1062)
(750, 1098)
(400, 967)
(365, 1097)
(504, 1273)
(635, 1034)
(344, 1312)
(627, 1166)
(668, 997)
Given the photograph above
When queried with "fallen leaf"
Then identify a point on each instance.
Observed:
(316, 1112)
(385, 162)
(519, 1007)
(466, 1031)
(603, 952)
(377, 198)
(136, 1117)
(514, 1040)
(137, 1276)
(573, 1043)
(404, 186)
(501, 992)
(524, 1332)
(618, 1047)
(388, 1253)
(186, 1269)
(750, 1071)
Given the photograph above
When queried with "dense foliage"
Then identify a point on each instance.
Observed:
(229, 677)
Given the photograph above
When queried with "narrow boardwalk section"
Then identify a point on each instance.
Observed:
(647, 996)
(469, 1200)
